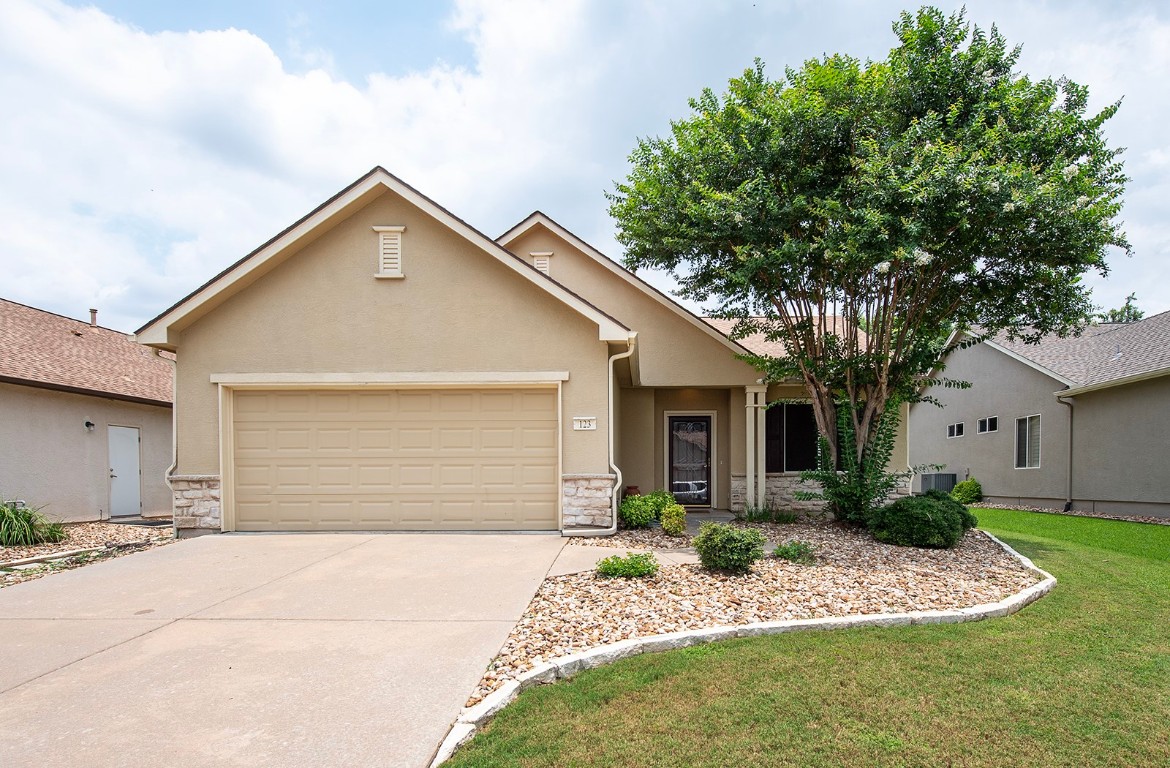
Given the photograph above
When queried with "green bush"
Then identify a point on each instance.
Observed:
(637, 512)
(26, 526)
(929, 520)
(968, 492)
(724, 547)
(660, 500)
(674, 520)
(632, 566)
(795, 552)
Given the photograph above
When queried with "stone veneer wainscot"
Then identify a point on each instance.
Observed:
(780, 492)
(196, 504)
(587, 500)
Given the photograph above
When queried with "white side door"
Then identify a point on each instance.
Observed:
(125, 472)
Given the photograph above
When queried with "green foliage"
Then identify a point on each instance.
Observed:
(637, 512)
(724, 547)
(768, 512)
(938, 189)
(861, 484)
(1127, 313)
(800, 552)
(26, 526)
(632, 566)
(967, 492)
(965, 514)
(674, 520)
(921, 521)
(641, 511)
(660, 500)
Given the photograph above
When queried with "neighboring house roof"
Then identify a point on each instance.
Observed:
(759, 344)
(41, 349)
(337, 208)
(1104, 355)
(537, 218)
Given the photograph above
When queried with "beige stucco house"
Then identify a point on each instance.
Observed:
(85, 418)
(1080, 421)
(382, 365)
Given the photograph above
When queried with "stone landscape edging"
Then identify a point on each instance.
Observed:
(564, 667)
(46, 558)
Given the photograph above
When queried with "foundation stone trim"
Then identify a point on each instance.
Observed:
(196, 503)
(587, 500)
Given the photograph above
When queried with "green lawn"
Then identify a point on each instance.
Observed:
(1080, 678)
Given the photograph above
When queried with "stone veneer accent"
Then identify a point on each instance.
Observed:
(196, 504)
(587, 500)
(780, 491)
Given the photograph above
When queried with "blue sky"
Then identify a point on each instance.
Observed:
(148, 145)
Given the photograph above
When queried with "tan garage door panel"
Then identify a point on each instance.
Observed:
(407, 459)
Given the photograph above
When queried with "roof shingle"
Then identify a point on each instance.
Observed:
(759, 344)
(41, 348)
(1102, 353)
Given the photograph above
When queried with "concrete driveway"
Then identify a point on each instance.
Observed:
(260, 650)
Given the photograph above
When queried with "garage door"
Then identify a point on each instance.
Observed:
(340, 460)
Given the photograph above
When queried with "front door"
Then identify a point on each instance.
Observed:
(125, 476)
(689, 460)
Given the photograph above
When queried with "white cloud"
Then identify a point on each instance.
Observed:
(138, 165)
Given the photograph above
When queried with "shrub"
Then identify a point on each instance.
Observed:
(969, 520)
(25, 526)
(632, 566)
(795, 552)
(636, 512)
(660, 500)
(674, 520)
(921, 521)
(727, 548)
(968, 492)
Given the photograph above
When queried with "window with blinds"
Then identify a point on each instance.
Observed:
(389, 251)
(1028, 442)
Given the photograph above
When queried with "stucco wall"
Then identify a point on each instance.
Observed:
(457, 309)
(672, 351)
(1003, 387)
(636, 453)
(1120, 449)
(47, 457)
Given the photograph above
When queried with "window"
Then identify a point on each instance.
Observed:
(790, 432)
(389, 251)
(542, 260)
(1028, 442)
(990, 424)
(955, 430)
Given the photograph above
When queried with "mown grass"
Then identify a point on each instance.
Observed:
(1080, 678)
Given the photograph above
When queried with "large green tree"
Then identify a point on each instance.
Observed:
(936, 190)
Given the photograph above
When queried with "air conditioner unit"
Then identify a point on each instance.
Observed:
(939, 481)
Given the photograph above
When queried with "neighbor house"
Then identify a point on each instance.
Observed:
(1080, 421)
(85, 418)
(381, 364)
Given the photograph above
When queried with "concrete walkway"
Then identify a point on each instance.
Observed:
(260, 650)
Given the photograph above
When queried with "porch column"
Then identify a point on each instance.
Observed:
(761, 443)
(754, 423)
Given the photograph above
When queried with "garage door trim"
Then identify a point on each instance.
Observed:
(228, 384)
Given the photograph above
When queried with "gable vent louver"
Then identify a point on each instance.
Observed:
(389, 251)
(542, 260)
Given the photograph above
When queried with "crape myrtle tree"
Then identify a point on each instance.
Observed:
(937, 190)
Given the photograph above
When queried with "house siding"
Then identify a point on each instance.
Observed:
(48, 458)
(1004, 387)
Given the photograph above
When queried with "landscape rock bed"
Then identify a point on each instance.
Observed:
(634, 538)
(106, 539)
(853, 575)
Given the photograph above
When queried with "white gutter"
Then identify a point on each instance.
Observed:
(1074, 390)
(631, 341)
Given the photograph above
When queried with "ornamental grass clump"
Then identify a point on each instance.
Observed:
(724, 547)
(674, 520)
(25, 526)
(632, 566)
(933, 520)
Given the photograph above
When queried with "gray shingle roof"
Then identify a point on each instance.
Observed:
(41, 348)
(1103, 353)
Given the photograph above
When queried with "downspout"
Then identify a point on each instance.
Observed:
(631, 342)
(1068, 498)
(174, 423)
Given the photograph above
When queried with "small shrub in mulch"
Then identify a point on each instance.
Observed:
(632, 566)
(724, 547)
